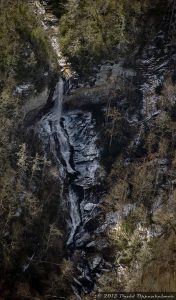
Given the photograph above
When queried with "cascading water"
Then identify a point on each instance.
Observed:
(80, 128)
(64, 149)
(60, 133)
(74, 214)
(70, 137)
(58, 98)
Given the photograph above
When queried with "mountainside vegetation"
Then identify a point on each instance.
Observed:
(20, 30)
(30, 235)
(140, 184)
(93, 30)
(144, 242)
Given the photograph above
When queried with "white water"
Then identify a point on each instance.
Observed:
(53, 135)
(58, 99)
(74, 214)
(62, 137)
(65, 152)
(71, 138)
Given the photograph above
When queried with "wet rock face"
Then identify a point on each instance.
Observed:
(112, 80)
(80, 128)
(70, 138)
(85, 155)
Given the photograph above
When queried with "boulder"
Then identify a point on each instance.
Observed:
(95, 262)
(89, 206)
(98, 245)
(82, 240)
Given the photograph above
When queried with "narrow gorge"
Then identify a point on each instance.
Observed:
(88, 113)
(71, 138)
(74, 139)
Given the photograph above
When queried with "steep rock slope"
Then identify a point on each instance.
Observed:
(92, 189)
(129, 101)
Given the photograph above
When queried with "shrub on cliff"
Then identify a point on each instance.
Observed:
(19, 31)
(58, 6)
(94, 28)
(30, 232)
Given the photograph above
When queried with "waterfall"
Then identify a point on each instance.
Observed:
(66, 153)
(70, 137)
(74, 214)
(60, 132)
(58, 99)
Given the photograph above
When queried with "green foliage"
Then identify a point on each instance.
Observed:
(92, 29)
(28, 207)
(31, 240)
(144, 238)
(58, 6)
(21, 31)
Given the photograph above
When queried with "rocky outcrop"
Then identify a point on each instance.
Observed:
(36, 102)
(108, 84)
(73, 139)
